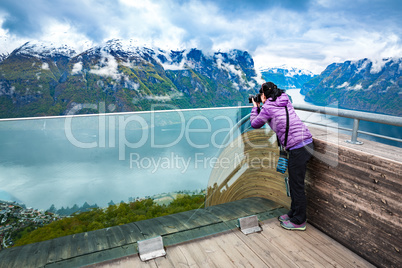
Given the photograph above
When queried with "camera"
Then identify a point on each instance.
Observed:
(257, 98)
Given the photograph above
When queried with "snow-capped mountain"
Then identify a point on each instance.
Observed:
(45, 50)
(286, 77)
(368, 85)
(39, 79)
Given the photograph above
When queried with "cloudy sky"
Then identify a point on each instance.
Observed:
(307, 34)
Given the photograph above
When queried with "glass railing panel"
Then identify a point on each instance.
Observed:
(246, 167)
(71, 160)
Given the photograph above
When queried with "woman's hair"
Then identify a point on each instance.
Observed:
(270, 90)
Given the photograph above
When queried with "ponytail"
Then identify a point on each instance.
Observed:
(270, 90)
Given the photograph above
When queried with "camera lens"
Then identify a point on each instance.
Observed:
(258, 98)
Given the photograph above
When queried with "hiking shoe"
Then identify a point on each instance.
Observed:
(283, 218)
(292, 226)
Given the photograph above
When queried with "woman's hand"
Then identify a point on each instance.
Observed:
(255, 104)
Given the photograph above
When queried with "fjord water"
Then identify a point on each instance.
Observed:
(96, 159)
(381, 129)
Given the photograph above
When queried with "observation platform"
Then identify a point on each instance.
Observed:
(354, 212)
(199, 238)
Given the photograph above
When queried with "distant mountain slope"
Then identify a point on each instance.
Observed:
(41, 79)
(287, 77)
(359, 85)
(2, 57)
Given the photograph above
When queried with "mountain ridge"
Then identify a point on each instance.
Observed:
(37, 79)
(366, 85)
(286, 77)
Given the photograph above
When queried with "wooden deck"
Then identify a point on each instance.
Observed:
(273, 247)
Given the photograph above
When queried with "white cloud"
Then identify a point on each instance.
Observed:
(345, 84)
(378, 64)
(77, 68)
(159, 98)
(45, 66)
(174, 67)
(108, 67)
(236, 86)
(230, 68)
(357, 87)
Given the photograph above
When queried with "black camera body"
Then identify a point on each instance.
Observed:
(257, 98)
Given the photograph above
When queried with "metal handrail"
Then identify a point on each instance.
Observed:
(371, 117)
(356, 116)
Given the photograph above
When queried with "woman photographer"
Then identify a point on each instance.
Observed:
(299, 146)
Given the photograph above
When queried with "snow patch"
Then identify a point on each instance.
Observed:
(287, 71)
(41, 49)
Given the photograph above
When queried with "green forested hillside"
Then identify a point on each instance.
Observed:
(359, 85)
(102, 218)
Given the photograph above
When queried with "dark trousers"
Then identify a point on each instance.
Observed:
(298, 159)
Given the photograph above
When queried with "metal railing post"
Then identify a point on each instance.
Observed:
(356, 116)
(354, 133)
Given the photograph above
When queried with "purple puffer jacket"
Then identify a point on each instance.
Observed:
(274, 113)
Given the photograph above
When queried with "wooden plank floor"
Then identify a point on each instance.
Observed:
(273, 247)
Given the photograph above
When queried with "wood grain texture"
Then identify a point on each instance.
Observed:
(358, 202)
